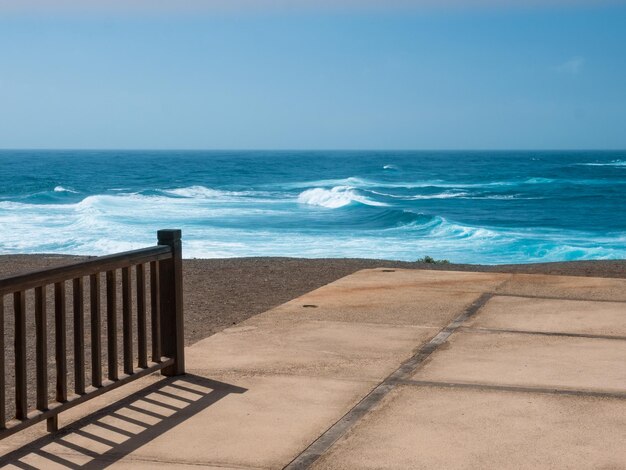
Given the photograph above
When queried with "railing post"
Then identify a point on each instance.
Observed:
(171, 302)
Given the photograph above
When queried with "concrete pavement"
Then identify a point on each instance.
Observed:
(381, 369)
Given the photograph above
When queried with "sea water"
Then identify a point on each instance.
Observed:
(466, 207)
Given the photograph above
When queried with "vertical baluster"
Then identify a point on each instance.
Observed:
(171, 292)
(127, 321)
(19, 307)
(155, 311)
(79, 336)
(112, 324)
(96, 343)
(60, 353)
(141, 316)
(3, 418)
(41, 347)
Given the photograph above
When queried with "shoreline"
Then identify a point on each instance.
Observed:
(221, 292)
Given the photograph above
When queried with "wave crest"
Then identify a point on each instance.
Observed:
(61, 189)
(198, 191)
(339, 196)
(617, 163)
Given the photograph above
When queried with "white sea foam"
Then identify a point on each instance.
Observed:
(334, 198)
(61, 189)
(362, 183)
(616, 163)
(416, 197)
(200, 192)
(107, 223)
(504, 197)
(352, 181)
(538, 180)
(444, 195)
(452, 195)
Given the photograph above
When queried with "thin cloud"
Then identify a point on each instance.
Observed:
(573, 66)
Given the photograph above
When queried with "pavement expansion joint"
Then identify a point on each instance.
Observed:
(478, 329)
(554, 297)
(515, 388)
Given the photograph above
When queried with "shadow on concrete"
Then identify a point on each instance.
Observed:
(108, 435)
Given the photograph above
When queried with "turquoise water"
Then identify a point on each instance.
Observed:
(470, 207)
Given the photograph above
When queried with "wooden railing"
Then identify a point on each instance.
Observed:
(164, 284)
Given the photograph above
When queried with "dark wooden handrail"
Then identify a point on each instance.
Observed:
(70, 271)
(165, 313)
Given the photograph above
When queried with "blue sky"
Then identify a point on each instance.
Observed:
(408, 75)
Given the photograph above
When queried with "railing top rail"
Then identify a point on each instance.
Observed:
(83, 268)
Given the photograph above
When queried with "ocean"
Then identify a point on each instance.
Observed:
(462, 206)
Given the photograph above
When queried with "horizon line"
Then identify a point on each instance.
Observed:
(173, 149)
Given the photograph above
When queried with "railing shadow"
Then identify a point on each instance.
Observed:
(108, 435)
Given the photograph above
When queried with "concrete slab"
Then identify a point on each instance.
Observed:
(267, 426)
(381, 279)
(394, 306)
(151, 464)
(549, 315)
(258, 394)
(38, 431)
(529, 360)
(64, 461)
(46, 459)
(264, 425)
(565, 287)
(315, 348)
(429, 427)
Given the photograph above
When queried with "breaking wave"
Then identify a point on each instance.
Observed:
(334, 198)
(202, 192)
(615, 163)
(61, 189)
